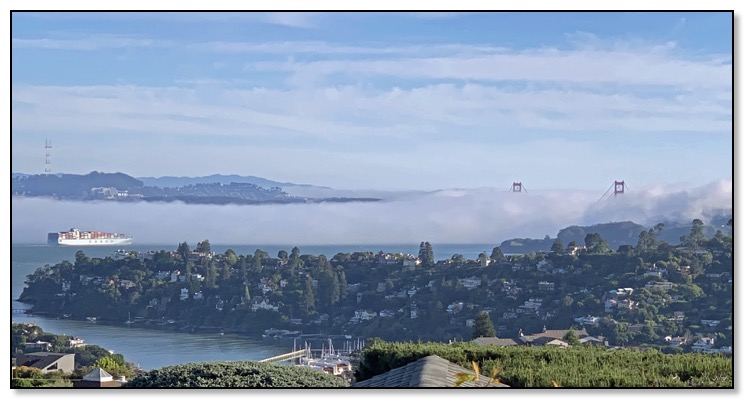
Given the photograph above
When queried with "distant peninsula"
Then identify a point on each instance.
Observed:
(214, 189)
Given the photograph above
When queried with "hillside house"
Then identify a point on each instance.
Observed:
(48, 362)
(703, 344)
(545, 286)
(471, 282)
(662, 285)
(38, 346)
(264, 305)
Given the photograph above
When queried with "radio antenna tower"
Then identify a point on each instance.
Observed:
(48, 163)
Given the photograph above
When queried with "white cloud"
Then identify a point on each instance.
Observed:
(569, 67)
(355, 111)
(92, 42)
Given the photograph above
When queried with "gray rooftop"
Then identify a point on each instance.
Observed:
(98, 374)
(428, 372)
(495, 341)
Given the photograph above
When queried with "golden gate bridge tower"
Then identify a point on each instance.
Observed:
(517, 187)
(617, 188)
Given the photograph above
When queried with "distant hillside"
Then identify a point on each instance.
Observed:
(616, 234)
(215, 189)
(70, 186)
(526, 245)
(171, 181)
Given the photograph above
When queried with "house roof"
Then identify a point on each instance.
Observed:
(590, 339)
(428, 372)
(554, 334)
(98, 374)
(495, 341)
(42, 360)
(545, 340)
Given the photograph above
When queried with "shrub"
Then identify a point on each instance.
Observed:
(235, 375)
(570, 367)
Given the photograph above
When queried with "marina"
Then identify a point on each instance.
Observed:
(327, 359)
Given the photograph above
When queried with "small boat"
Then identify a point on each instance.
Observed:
(90, 318)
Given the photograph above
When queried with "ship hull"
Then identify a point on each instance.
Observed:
(94, 242)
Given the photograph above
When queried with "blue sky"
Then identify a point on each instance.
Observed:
(556, 100)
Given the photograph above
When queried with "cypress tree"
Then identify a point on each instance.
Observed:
(483, 326)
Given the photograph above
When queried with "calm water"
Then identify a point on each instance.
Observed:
(155, 348)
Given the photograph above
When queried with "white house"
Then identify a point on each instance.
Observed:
(663, 285)
(471, 282)
(545, 286)
(265, 305)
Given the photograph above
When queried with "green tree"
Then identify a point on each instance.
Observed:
(596, 244)
(457, 259)
(204, 247)
(243, 268)
(497, 255)
(342, 284)
(183, 252)
(211, 275)
(625, 250)
(557, 246)
(430, 254)
(308, 297)
(258, 257)
(295, 255)
(231, 258)
(189, 270)
(329, 290)
(80, 259)
(696, 238)
(246, 294)
(114, 366)
(483, 326)
(571, 338)
(648, 240)
(225, 275)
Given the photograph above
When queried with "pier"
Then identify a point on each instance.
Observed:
(288, 356)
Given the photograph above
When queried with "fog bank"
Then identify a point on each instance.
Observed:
(447, 216)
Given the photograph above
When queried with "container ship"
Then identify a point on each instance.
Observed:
(76, 237)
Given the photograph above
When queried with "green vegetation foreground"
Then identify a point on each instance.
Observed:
(235, 375)
(537, 367)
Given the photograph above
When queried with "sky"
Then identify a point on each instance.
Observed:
(386, 101)
(464, 102)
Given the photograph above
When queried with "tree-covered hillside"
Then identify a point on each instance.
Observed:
(642, 294)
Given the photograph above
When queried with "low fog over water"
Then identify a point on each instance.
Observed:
(445, 216)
